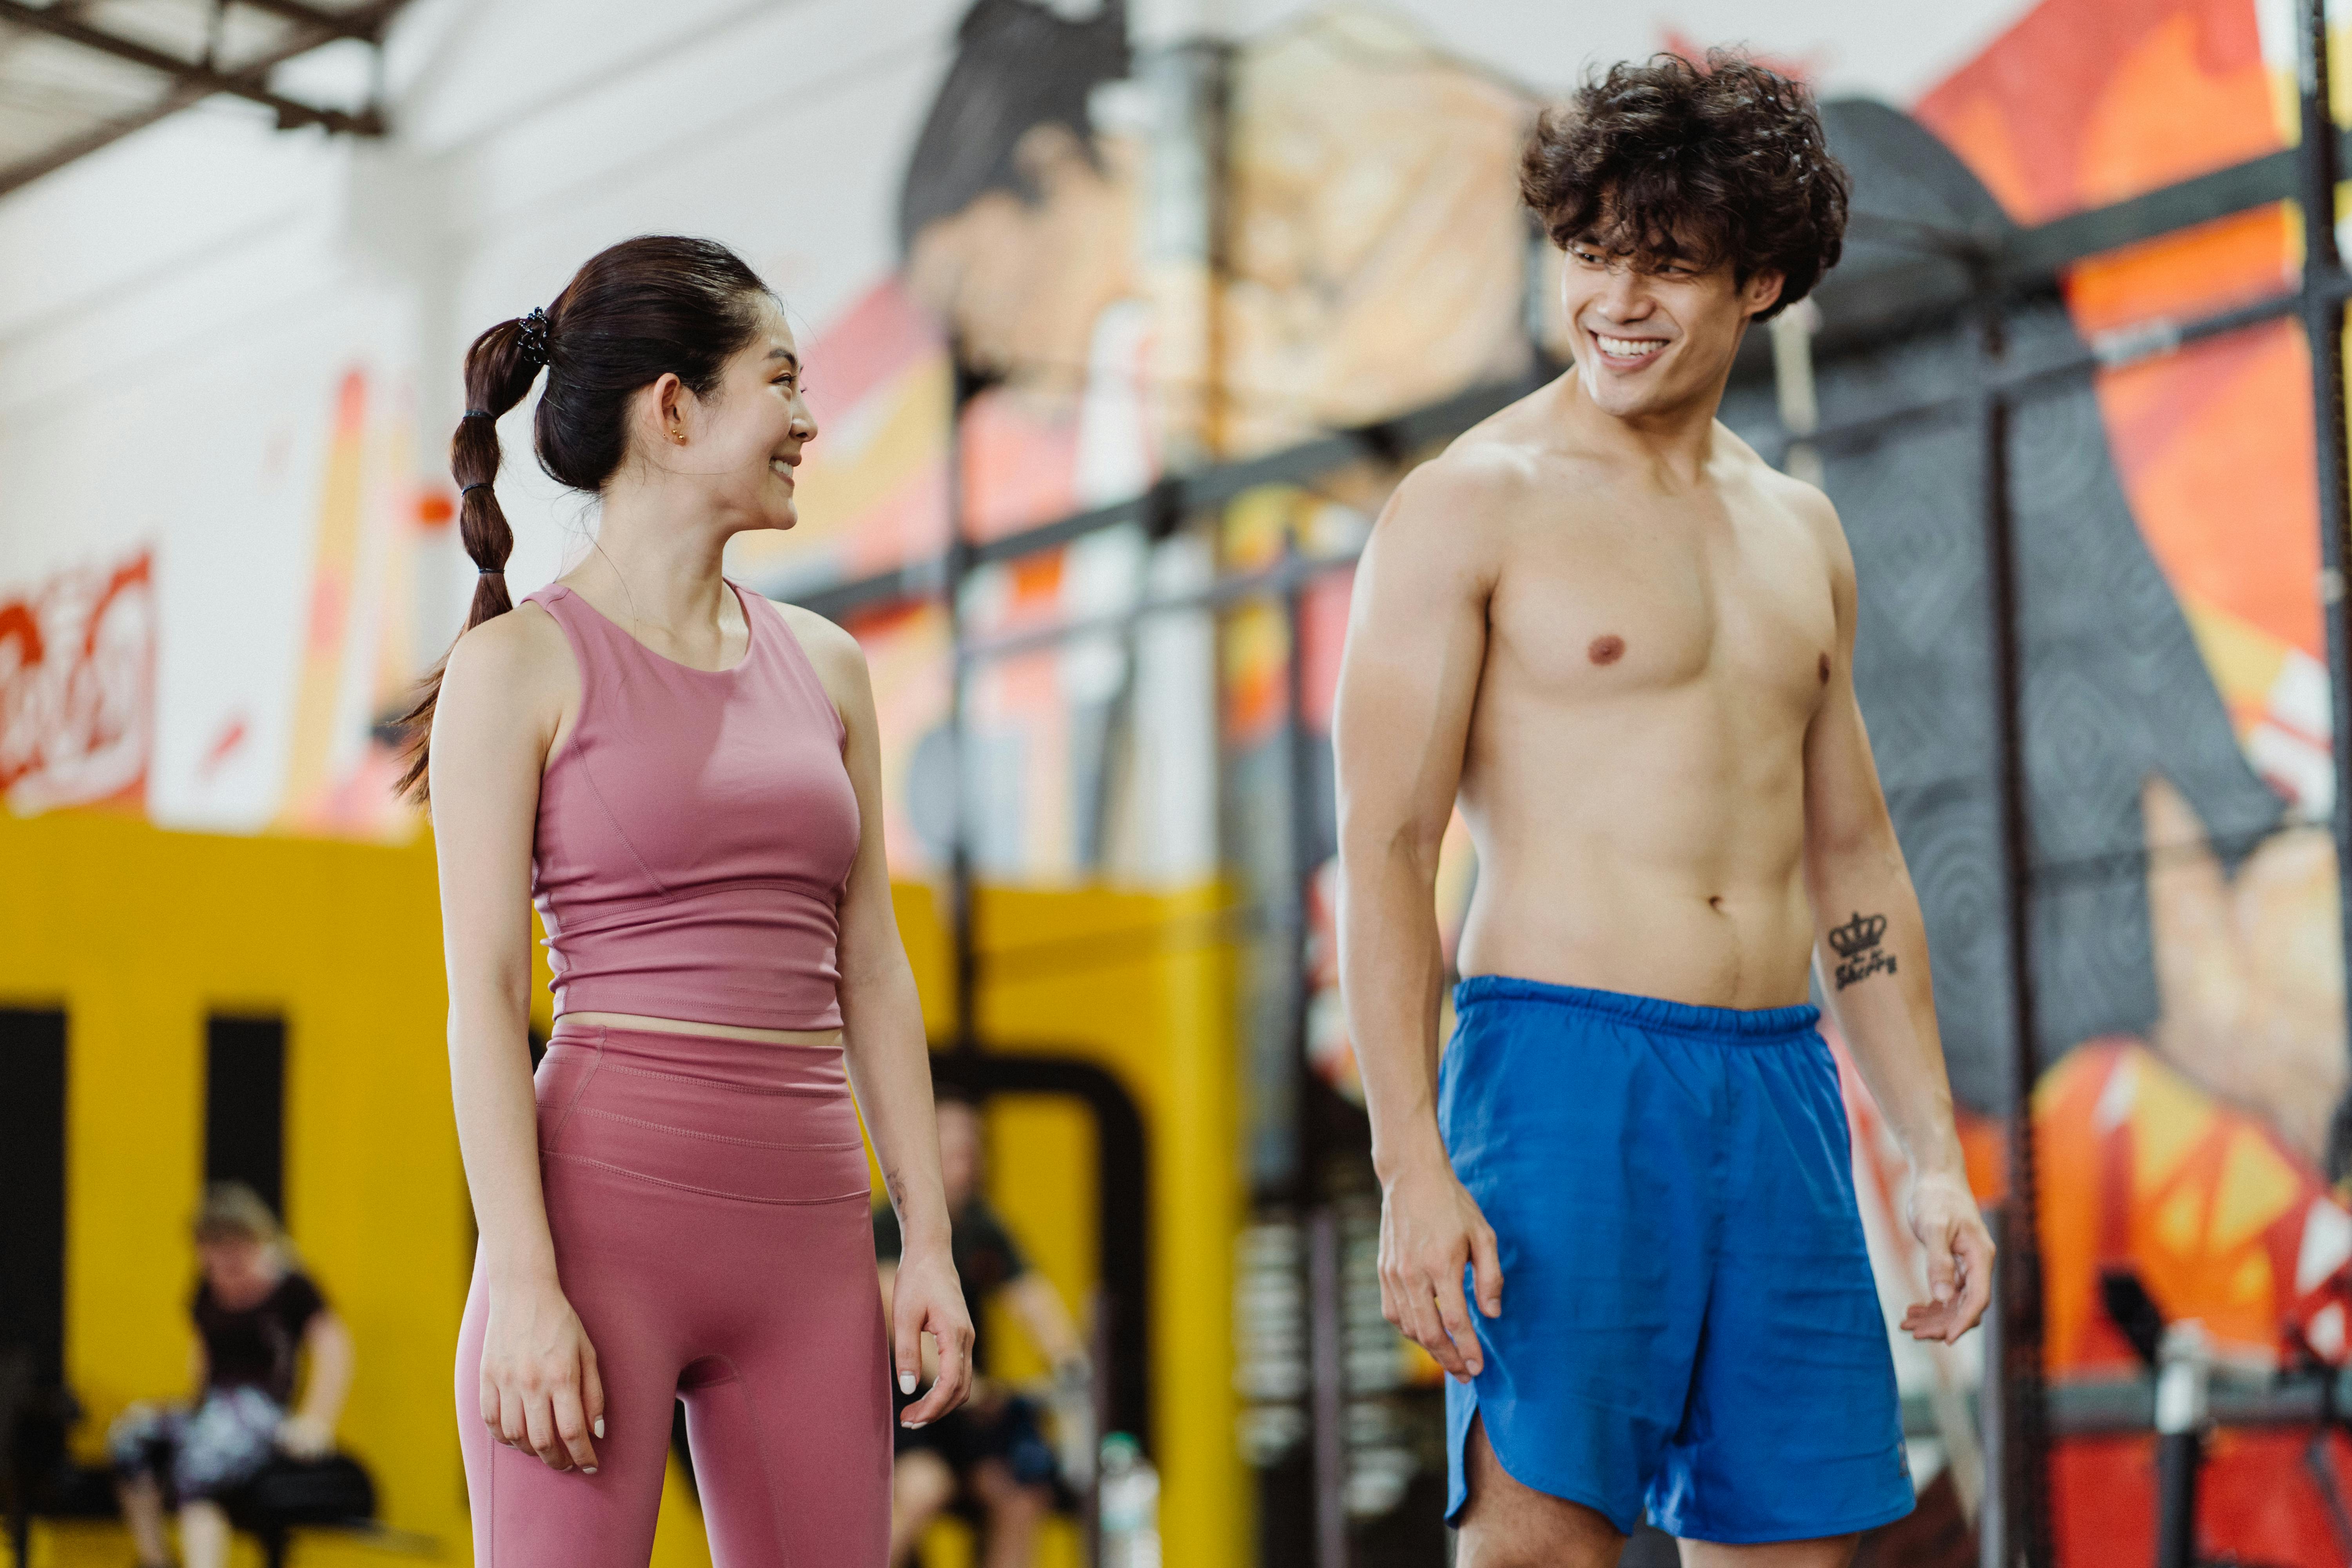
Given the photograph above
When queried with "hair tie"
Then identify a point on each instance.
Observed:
(478, 414)
(533, 338)
(477, 485)
(489, 572)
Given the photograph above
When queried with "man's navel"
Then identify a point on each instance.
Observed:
(1825, 669)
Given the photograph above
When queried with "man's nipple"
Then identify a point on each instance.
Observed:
(1606, 649)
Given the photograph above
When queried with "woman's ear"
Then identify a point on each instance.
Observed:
(669, 407)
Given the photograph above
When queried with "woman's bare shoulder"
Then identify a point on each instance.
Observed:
(832, 650)
(519, 659)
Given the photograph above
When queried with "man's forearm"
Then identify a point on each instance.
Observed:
(1392, 974)
(1872, 945)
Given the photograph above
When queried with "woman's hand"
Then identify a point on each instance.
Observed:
(305, 1437)
(539, 1387)
(928, 1300)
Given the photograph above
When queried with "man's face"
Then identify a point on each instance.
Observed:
(1653, 337)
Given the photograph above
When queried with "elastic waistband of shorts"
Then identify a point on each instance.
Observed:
(1752, 1025)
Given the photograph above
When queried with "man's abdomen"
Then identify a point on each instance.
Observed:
(1599, 921)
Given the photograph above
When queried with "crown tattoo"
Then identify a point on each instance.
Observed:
(1858, 934)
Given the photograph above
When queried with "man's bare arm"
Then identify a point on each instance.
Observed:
(1870, 946)
(1416, 643)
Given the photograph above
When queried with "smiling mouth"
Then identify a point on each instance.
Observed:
(782, 467)
(1628, 350)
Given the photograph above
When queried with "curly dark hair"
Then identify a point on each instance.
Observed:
(1667, 160)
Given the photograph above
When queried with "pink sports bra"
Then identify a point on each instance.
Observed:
(696, 829)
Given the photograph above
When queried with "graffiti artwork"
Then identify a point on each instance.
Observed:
(77, 688)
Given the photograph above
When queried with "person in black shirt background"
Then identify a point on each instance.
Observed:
(255, 1313)
(988, 1455)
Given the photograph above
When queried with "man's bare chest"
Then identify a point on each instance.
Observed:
(1744, 609)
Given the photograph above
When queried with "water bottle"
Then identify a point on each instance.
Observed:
(1130, 1505)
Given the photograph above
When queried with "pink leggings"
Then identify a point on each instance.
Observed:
(707, 1199)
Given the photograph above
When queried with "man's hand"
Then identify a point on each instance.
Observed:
(926, 1299)
(1430, 1228)
(1958, 1250)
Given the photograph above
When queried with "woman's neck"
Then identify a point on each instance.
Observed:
(656, 565)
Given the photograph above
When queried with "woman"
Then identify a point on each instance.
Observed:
(255, 1312)
(686, 778)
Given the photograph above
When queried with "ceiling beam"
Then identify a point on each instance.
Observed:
(200, 80)
(189, 87)
(365, 22)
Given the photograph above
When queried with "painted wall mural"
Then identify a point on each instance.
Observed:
(2192, 1014)
(77, 688)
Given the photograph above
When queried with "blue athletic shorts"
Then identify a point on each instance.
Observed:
(1689, 1322)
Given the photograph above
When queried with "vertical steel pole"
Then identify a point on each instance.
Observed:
(1995, 1536)
(1327, 1367)
(2322, 322)
(2024, 1482)
(958, 567)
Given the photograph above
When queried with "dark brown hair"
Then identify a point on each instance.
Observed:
(643, 308)
(1668, 160)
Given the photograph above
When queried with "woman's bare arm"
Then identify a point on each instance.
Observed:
(509, 684)
(327, 1344)
(889, 1059)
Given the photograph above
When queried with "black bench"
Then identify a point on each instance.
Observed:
(43, 1481)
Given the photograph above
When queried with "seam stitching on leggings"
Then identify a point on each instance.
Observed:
(707, 1192)
(712, 1137)
(722, 1083)
(595, 1065)
(767, 1469)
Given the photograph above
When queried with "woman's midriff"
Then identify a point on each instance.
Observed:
(718, 1031)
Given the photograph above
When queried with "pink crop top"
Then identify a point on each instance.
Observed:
(696, 829)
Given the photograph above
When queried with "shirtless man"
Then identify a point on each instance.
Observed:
(1625, 643)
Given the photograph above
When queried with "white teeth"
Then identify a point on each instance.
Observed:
(1626, 348)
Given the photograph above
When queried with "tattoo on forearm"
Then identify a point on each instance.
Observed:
(1859, 954)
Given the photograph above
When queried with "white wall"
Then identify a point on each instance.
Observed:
(177, 312)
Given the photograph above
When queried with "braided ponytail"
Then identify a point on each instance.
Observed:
(499, 368)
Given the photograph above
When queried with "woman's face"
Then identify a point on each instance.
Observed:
(233, 1264)
(744, 442)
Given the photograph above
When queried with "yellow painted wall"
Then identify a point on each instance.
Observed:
(1141, 982)
(139, 934)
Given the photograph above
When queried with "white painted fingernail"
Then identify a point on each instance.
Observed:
(600, 1426)
(905, 1383)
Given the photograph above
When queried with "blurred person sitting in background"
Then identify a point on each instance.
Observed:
(255, 1312)
(989, 1456)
